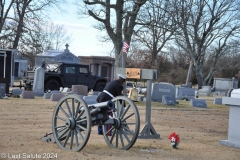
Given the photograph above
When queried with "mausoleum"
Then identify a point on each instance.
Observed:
(56, 56)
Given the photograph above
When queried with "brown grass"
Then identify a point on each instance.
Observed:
(24, 121)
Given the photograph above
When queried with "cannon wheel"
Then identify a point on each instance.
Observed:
(71, 123)
(123, 134)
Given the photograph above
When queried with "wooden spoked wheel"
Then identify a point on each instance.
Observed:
(124, 132)
(71, 123)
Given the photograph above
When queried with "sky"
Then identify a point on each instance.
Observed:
(85, 41)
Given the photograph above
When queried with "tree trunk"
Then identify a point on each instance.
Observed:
(189, 73)
(199, 76)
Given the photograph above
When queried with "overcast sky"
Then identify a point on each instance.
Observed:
(85, 41)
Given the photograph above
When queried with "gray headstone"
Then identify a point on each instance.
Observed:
(168, 100)
(160, 89)
(140, 98)
(55, 92)
(47, 95)
(17, 91)
(205, 91)
(186, 92)
(217, 101)
(27, 95)
(198, 103)
(90, 99)
(56, 96)
(38, 84)
(71, 92)
(2, 89)
(224, 84)
(80, 89)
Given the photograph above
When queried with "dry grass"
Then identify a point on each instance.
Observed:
(24, 121)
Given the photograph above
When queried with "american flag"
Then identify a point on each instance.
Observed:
(125, 47)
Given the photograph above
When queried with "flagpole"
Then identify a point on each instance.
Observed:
(122, 59)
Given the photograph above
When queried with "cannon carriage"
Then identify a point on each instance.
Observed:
(73, 118)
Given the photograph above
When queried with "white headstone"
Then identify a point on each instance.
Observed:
(65, 90)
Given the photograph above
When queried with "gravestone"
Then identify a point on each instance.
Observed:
(55, 91)
(217, 101)
(56, 96)
(90, 99)
(235, 93)
(162, 88)
(2, 89)
(47, 95)
(80, 89)
(140, 98)
(234, 119)
(168, 100)
(65, 90)
(70, 93)
(17, 91)
(38, 84)
(198, 103)
(185, 92)
(205, 91)
(27, 95)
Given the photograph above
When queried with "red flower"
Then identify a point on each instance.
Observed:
(174, 137)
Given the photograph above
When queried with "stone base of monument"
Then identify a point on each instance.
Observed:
(229, 144)
(56, 96)
(27, 95)
(234, 119)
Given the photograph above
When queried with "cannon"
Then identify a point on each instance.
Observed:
(73, 118)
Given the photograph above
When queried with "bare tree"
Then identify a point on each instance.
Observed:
(42, 36)
(4, 9)
(202, 23)
(155, 27)
(24, 9)
(228, 58)
(117, 18)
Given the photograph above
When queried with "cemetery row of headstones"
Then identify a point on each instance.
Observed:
(162, 92)
(56, 95)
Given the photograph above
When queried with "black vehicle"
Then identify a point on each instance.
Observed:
(62, 74)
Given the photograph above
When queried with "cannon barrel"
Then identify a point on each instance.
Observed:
(109, 105)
